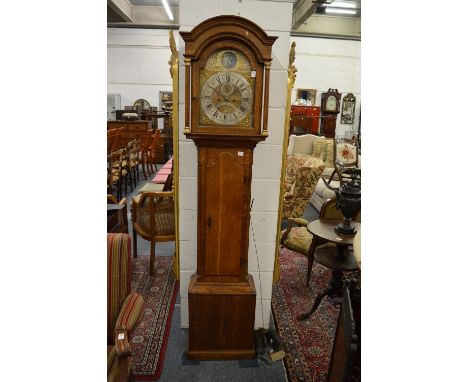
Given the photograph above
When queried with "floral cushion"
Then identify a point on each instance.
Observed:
(323, 149)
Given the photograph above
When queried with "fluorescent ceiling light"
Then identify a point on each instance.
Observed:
(340, 11)
(343, 4)
(168, 10)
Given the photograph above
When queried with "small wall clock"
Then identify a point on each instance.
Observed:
(347, 111)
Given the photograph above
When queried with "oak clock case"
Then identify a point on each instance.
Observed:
(227, 65)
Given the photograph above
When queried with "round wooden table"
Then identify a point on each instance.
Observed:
(337, 259)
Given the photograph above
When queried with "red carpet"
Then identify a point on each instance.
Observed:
(308, 343)
(149, 340)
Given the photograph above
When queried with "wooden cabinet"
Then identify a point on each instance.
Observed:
(132, 130)
(305, 119)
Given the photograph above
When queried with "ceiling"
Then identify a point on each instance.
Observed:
(172, 3)
(321, 18)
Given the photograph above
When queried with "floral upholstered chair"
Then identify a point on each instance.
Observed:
(301, 240)
(346, 156)
(302, 175)
(124, 308)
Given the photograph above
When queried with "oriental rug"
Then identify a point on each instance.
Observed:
(150, 337)
(308, 344)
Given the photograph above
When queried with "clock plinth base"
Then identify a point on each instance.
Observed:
(221, 319)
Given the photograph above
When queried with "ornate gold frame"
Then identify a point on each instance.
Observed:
(174, 70)
(291, 79)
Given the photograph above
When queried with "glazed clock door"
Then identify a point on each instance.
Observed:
(226, 194)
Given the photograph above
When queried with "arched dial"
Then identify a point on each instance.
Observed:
(331, 103)
(226, 98)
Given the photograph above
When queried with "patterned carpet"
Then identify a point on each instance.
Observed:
(149, 340)
(308, 343)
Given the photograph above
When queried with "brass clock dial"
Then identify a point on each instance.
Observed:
(226, 98)
(227, 90)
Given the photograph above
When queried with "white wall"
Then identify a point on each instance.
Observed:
(137, 64)
(275, 18)
(328, 63)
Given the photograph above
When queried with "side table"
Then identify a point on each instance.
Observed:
(337, 259)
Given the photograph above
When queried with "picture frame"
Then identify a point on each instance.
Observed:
(347, 109)
(307, 94)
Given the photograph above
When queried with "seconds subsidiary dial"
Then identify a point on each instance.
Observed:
(226, 98)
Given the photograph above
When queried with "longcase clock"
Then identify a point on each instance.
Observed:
(227, 69)
(330, 108)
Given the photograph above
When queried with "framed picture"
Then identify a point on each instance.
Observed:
(307, 94)
(347, 109)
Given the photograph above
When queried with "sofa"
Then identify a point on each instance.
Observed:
(314, 146)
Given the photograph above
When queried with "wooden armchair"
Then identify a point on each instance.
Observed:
(145, 153)
(133, 149)
(116, 172)
(153, 219)
(153, 148)
(124, 308)
(299, 239)
(113, 139)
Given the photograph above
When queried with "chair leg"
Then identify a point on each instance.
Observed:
(310, 257)
(143, 163)
(152, 254)
(134, 243)
(119, 189)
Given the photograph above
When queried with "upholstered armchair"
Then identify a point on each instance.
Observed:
(302, 175)
(124, 308)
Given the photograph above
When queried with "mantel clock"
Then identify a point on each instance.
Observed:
(227, 71)
(330, 108)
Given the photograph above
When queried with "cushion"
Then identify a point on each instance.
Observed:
(323, 149)
(322, 190)
(303, 145)
(151, 187)
(299, 239)
(160, 178)
(164, 171)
